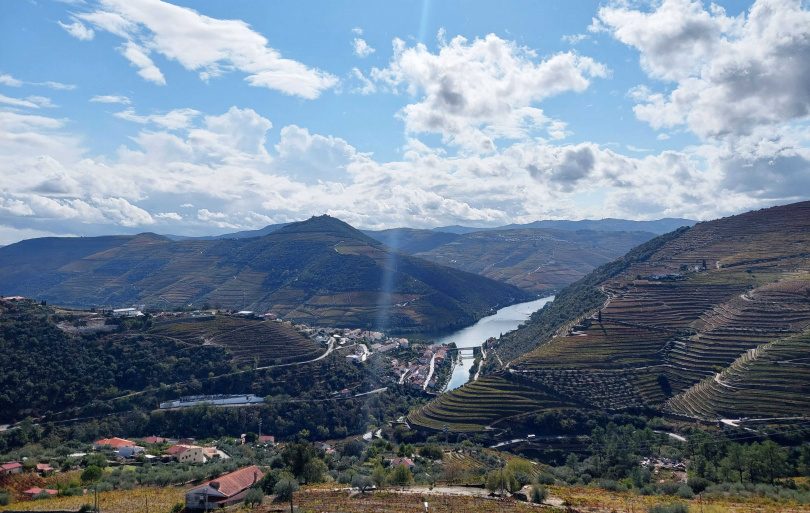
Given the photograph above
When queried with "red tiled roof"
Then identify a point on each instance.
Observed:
(267, 438)
(11, 465)
(179, 449)
(34, 491)
(402, 461)
(114, 442)
(154, 440)
(235, 482)
(44, 467)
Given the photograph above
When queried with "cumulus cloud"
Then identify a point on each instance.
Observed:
(78, 30)
(111, 99)
(731, 74)
(473, 93)
(361, 48)
(200, 43)
(169, 215)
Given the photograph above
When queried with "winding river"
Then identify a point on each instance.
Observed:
(505, 319)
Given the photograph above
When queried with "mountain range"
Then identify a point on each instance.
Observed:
(320, 271)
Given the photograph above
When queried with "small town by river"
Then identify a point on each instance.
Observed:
(505, 319)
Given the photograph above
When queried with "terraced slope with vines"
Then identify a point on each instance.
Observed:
(706, 322)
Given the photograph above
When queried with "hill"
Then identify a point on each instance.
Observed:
(659, 226)
(320, 271)
(706, 322)
(539, 260)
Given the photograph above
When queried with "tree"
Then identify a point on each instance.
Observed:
(254, 497)
(505, 479)
(362, 483)
(402, 476)
(354, 448)
(379, 475)
(431, 452)
(285, 489)
(735, 461)
(773, 458)
(313, 471)
(92, 473)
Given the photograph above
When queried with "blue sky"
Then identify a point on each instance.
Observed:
(207, 117)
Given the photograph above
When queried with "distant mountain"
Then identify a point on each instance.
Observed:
(411, 240)
(659, 226)
(707, 322)
(539, 260)
(234, 235)
(320, 271)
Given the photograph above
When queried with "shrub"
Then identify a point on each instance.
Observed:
(669, 488)
(685, 492)
(41, 495)
(5, 498)
(254, 497)
(538, 494)
(545, 479)
(676, 507)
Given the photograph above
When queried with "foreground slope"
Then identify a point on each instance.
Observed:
(320, 271)
(705, 322)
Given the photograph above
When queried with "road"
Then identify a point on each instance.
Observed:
(430, 372)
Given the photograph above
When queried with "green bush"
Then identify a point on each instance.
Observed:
(676, 507)
(5, 498)
(92, 473)
(545, 479)
(539, 494)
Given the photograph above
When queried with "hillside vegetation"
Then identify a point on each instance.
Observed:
(706, 322)
(320, 271)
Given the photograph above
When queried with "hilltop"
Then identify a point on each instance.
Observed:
(319, 271)
(706, 322)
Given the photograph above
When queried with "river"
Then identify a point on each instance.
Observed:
(505, 319)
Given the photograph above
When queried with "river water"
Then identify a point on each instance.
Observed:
(505, 319)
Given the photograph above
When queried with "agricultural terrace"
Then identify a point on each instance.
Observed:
(478, 404)
(247, 340)
(748, 384)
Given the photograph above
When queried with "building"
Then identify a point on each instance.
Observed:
(265, 439)
(402, 461)
(129, 451)
(44, 469)
(210, 452)
(115, 443)
(12, 467)
(223, 491)
(151, 440)
(126, 312)
(187, 453)
(33, 491)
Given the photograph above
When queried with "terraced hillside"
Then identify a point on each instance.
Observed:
(320, 271)
(246, 340)
(707, 322)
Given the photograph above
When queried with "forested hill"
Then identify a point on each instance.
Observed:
(320, 271)
(707, 322)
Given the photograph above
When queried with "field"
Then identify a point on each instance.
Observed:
(160, 500)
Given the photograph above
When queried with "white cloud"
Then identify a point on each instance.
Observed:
(358, 31)
(17, 102)
(366, 87)
(111, 99)
(637, 149)
(662, 137)
(731, 74)
(139, 58)
(173, 120)
(200, 43)
(13, 82)
(187, 205)
(361, 48)
(169, 215)
(574, 39)
(40, 101)
(473, 93)
(10, 81)
(78, 30)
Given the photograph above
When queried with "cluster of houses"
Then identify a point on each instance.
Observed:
(419, 375)
(183, 450)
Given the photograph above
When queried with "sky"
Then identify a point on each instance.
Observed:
(206, 117)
